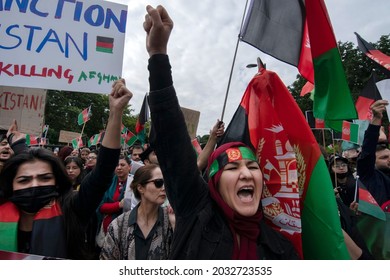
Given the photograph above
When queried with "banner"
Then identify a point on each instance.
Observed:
(25, 105)
(62, 45)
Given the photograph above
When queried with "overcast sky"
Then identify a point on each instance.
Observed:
(203, 43)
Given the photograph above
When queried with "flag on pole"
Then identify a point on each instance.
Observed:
(278, 28)
(332, 99)
(142, 119)
(298, 197)
(45, 129)
(374, 54)
(77, 143)
(84, 116)
(143, 115)
(95, 139)
(368, 95)
(31, 140)
(127, 136)
(350, 132)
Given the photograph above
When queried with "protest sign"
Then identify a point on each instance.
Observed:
(62, 45)
(25, 105)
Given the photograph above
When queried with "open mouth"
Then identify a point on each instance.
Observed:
(245, 194)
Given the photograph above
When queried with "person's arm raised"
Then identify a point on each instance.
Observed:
(118, 100)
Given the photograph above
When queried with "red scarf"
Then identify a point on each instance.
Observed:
(248, 228)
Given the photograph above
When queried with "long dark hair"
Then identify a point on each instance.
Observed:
(75, 232)
(79, 163)
(12, 165)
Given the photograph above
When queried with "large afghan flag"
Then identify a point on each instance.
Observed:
(332, 99)
(374, 54)
(300, 33)
(298, 197)
(278, 28)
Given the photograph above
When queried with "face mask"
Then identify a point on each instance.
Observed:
(342, 175)
(31, 200)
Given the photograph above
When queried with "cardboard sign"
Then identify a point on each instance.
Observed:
(67, 136)
(62, 45)
(25, 105)
(192, 120)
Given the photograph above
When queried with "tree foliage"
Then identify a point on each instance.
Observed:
(63, 108)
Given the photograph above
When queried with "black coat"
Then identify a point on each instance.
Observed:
(201, 231)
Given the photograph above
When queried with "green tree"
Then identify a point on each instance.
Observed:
(63, 108)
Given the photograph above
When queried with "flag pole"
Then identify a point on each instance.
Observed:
(234, 59)
(81, 134)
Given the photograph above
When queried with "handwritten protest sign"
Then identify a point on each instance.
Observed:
(62, 45)
(25, 105)
(192, 119)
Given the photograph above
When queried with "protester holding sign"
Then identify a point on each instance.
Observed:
(219, 220)
(43, 215)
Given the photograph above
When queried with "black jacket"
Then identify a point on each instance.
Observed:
(201, 230)
(376, 182)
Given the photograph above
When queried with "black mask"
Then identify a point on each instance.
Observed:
(32, 199)
(342, 175)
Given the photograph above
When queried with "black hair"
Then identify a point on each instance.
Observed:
(80, 164)
(12, 165)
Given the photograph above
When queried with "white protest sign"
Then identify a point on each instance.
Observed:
(384, 89)
(25, 105)
(62, 45)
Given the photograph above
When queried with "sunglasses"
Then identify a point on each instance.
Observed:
(158, 183)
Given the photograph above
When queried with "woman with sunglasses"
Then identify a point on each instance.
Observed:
(144, 233)
(219, 220)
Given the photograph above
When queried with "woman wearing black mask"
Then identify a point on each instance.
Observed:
(42, 214)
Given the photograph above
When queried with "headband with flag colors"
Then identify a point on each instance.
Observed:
(374, 54)
(230, 155)
(84, 116)
(269, 119)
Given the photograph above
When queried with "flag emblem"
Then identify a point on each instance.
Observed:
(104, 44)
(233, 154)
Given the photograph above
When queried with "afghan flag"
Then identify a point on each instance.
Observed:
(77, 143)
(350, 132)
(45, 129)
(374, 54)
(95, 139)
(278, 28)
(373, 224)
(142, 119)
(84, 116)
(368, 95)
(197, 147)
(332, 99)
(31, 140)
(298, 197)
(307, 88)
(104, 44)
(128, 137)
